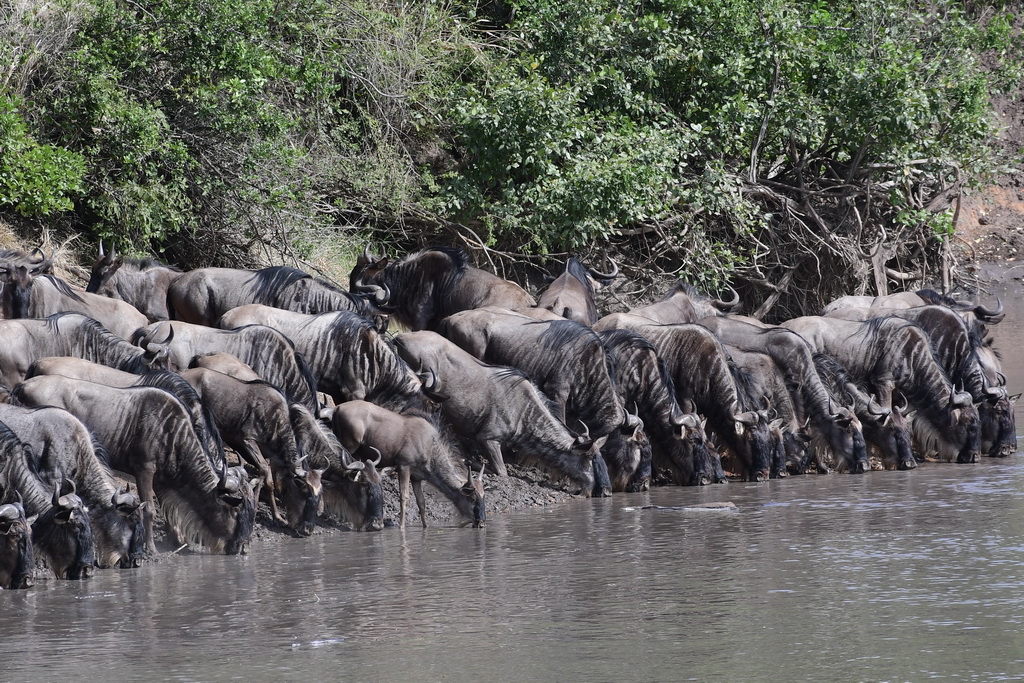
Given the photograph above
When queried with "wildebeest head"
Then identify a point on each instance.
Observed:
(120, 531)
(223, 523)
(17, 560)
(356, 494)
(65, 528)
(367, 267)
(103, 268)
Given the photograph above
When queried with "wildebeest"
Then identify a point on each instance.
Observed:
(684, 304)
(148, 433)
(268, 352)
(885, 429)
(834, 426)
(678, 441)
(888, 354)
(565, 359)
(70, 334)
(143, 283)
(202, 296)
(922, 297)
(41, 296)
(203, 421)
(61, 532)
(254, 419)
(63, 449)
(497, 406)
(705, 380)
(350, 357)
(760, 377)
(17, 559)
(571, 294)
(351, 488)
(415, 448)
(961, 349)
(434, 283)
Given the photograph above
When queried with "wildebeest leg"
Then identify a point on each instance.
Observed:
(421, 502)
(404, 476)
(254, 456)
(144, 480)
(493, 449)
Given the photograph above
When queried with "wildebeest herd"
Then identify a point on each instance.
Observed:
(215, 388)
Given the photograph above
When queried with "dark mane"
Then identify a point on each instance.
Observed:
(614, 340)
(930, 296)
(149, 262)
(269, 282)
(62, 287)
(684, 288)
(559, 334)
(92, 341)
(574, 268)
(174, 384)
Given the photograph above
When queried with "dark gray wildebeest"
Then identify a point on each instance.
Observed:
(885, 429)
(762, 381)
(70, 334)
(148, 433)
(684, 304)
(143, 283)
(891, 354)
(17, 559)
(255, 420)
(961, 349)
(677, 438)
(834, 426)
(63, 449)
(61, 533)
(572, 294)
(350, 357)
(497, 406)
(922, 297)
(415, 448)
(203, 421)
(352, 489)
(432, 284)
(705, 379)
(565, 359)
(269, 353)
(202, 296)
(29, 296)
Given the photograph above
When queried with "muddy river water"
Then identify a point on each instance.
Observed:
(896, 576)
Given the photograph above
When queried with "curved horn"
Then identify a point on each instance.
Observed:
(726, 305)
(9, 512)
(597, 275)
(366, 253)
(382, 295)
(586, 430)
(989, 313)
(480, 477)
(45, 264)
(355, 465)
(380, 456)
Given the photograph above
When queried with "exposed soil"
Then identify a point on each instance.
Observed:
(991, 222)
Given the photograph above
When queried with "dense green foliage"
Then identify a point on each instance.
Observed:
(704, 137)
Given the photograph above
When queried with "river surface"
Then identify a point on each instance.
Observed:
(889, 576)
